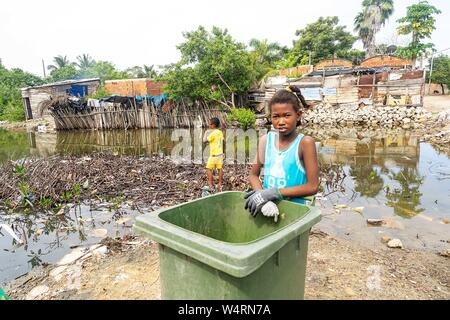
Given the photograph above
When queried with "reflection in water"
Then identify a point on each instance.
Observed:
(46, 237)
(126, 142)
(13, 145)
(376, 161)
(405, 199)
(368, 181)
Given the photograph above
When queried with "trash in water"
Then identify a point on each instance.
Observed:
(11, 232)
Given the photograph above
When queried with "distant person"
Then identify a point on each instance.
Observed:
(215, 160)
(289, 158)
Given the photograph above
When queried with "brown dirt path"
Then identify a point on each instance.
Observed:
(337, 269)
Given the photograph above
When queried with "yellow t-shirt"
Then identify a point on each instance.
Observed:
(215, 140)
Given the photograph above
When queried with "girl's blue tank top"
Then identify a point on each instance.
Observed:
(283, 169)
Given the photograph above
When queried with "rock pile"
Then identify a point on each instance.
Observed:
(373, 116)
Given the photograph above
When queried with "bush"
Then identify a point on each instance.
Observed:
(11, 106)
(13, 111)
(294, 76)
(245, 117)
(100, 93)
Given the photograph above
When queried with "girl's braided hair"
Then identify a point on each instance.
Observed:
(291, 95)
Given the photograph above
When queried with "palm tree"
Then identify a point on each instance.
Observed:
(369, 21)
(264, 55)
(142, 72)
(405, 199)
(150, 72)
(60, 62)
(85, 61)
(267, 52)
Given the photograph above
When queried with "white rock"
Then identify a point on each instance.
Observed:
(101, 251)
(95, 246)
(406, 120)
(36, 292)
(395, 243)
(445, 253)
(358, 209)
(120, 277)
(56, 273)
(72, 256)
(98, 233)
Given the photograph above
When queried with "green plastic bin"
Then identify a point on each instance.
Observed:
(212, 248)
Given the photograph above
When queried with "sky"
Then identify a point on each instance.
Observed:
(137, 32)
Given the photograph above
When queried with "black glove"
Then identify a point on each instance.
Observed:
(257, 199)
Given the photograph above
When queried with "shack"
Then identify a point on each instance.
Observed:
(34, 96)
(378, 81)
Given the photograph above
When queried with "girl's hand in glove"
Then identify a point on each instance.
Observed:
(257, 199)
(270, 209)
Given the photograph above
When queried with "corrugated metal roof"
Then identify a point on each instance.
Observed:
(62, 83)
(349, 71)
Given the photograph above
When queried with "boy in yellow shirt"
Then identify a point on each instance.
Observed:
(215, 140)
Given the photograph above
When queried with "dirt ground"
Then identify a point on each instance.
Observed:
(336, 269)
(436, 104)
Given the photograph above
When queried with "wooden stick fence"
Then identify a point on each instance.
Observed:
(147, 115)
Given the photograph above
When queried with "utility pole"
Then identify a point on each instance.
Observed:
(43, 67)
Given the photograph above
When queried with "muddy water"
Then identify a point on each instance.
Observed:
(389, 175)
(46, 238)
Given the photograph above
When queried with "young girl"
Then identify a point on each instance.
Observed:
(291, 170)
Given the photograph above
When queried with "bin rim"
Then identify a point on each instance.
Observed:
(236, 259)
(161, 210)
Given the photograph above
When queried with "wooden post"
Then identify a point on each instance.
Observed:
(373, 85)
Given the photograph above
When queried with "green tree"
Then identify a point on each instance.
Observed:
(213, 67)
(354, 55)
(150, 71)
(135, 72)
(105, 70)
(441, 71)
(369, 21)
(420, 23)
(84, 61)
(11, 81)
(67, 72)
(142, 72)
(265, 55)
(323, 39)
(59, 62)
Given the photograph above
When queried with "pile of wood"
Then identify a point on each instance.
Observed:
(155, 181)
(145, 181)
